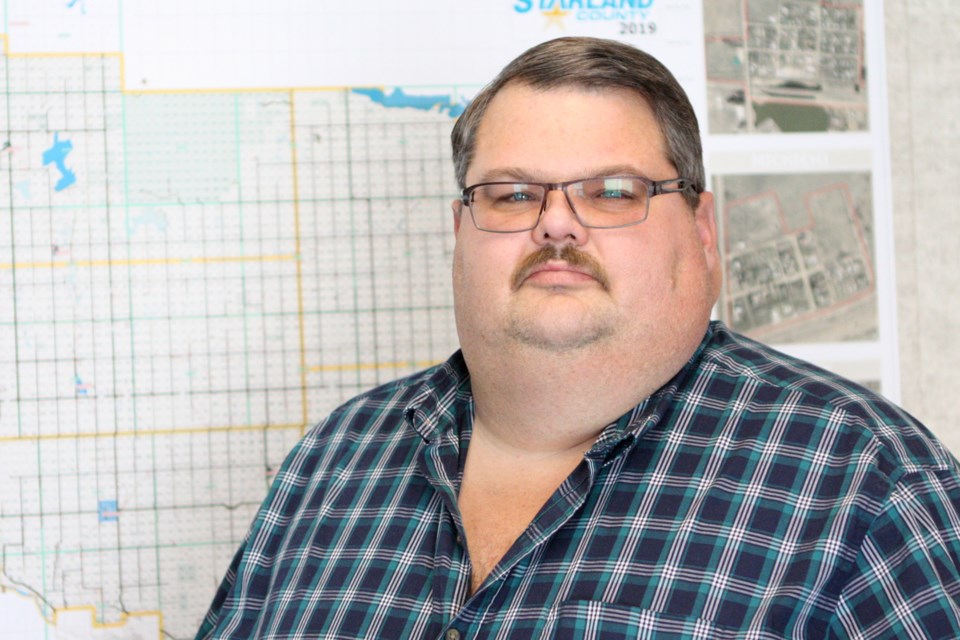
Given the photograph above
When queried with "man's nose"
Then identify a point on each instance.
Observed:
(558, 222)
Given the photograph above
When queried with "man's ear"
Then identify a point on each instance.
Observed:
(457, 207)
(706, 221)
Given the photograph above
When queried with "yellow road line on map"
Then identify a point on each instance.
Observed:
(363, 366)
(296, 234)
(65, 54)
(152, 432)
(141, 262)
(359, 366)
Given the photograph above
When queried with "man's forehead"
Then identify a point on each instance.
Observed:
(534, 174)
(519, 104)
(516, 101)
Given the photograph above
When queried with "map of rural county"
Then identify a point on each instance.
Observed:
(190, 280)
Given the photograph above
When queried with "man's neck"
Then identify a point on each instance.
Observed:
(543, 403)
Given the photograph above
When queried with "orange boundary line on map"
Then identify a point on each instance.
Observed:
(95, 624)
(123, 76)
(140, 262)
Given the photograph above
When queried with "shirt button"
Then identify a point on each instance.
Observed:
(453, 634)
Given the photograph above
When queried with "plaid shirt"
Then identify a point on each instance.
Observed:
(753, 496)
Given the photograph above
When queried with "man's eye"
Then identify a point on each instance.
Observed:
(519, 196)
(614, 194)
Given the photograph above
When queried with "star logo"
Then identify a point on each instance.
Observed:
(555, 16)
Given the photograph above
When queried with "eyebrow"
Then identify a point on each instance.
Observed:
(516, 174)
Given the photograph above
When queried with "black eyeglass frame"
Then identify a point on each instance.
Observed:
(654, 188)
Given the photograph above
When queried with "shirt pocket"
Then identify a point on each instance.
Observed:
(602, 620)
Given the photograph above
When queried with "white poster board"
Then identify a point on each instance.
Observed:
(222, 219)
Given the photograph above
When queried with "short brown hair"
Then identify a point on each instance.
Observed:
(595, 64)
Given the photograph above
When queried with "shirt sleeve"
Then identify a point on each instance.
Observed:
(905, 582)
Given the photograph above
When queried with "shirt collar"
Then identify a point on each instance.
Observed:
(444, 401)
(444, 392)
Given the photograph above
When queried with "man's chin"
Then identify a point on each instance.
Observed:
(558, 339)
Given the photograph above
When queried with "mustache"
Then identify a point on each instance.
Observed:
(569, 254)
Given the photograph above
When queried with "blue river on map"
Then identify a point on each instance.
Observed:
(397, 99)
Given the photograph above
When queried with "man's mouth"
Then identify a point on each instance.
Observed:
(558, 260)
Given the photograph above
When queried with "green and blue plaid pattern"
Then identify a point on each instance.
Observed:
(753, 496)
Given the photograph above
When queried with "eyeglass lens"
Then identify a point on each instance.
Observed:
(598, 202)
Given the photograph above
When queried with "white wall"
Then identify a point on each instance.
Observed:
(923, 76)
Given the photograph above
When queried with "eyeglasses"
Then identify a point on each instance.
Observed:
(600, 203)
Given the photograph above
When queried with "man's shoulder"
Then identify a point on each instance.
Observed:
(425, 391)
(386, 420)
(735, 354)
(398, 391)
(811, 390)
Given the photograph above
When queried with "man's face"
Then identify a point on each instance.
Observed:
(648, 288)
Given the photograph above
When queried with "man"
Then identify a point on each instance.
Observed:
(600, 460)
